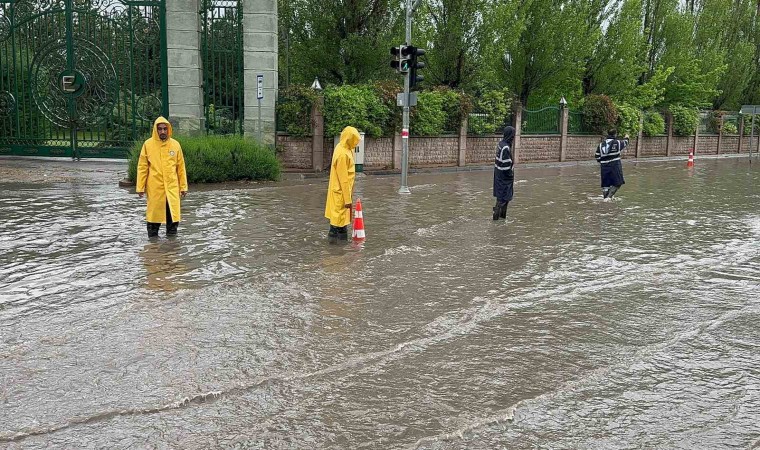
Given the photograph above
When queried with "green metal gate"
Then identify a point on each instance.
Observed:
(80, 78)
(222, 53)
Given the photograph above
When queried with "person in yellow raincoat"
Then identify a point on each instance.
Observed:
(339, 203)
(161, 175)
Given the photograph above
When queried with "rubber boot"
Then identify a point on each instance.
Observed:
(171, 228)
(503, 212)
(343, 233)
(153, 230)
(613, 190)
(606, 192)
(332, 235)
(496, 211)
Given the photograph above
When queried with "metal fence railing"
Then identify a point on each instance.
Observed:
(222, 54)
(576, 124)
(542, 121)
(709, 123)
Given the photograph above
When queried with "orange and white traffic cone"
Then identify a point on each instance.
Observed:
(358, 229)
(691, 158)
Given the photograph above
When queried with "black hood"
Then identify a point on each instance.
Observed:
(509, 136)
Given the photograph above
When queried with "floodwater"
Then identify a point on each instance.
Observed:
(577, 323)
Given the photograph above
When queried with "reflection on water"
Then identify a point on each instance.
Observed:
(576, 323)
(163, 262)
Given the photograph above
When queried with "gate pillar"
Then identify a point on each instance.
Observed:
(260, 58)
(183, 53)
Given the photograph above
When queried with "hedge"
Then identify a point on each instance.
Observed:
(685, 120)
(215, 159)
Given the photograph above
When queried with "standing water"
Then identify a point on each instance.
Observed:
(577, 323)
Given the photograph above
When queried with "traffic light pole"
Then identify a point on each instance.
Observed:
(405, 117)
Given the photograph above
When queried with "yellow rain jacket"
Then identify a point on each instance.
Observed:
(161, 175)
(342, 175)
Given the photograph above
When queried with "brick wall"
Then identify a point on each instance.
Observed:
(681, 145)
(581, 148)
(539, 148)
(745, 144)
(378, 153)
(433, 151)
(729, 144)
(707, 145)
(653, 146)
(294, 152)
(481, 150)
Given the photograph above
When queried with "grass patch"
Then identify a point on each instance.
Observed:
(216, 159)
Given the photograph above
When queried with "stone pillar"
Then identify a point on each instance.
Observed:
(669, 124)
(183, 55)
(563, 122)
(317, 135)
(260, 58)
(640, 137)
(518, 132)
(463, 143)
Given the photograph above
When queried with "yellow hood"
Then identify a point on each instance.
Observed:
(155, 128)
(349, 137)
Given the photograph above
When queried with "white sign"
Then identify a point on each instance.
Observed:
(750, 109)
(259, 86)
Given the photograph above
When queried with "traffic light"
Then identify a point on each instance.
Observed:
(401, 59)
(415, 53)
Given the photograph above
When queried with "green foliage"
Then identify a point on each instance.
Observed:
(730, 128)
(216, 159)
(651, 93)
(387, 91)
(599, 113)
(357, 106)
(429, 117)
(439, 111)
(294, 110)
(685, 120)
(629, 119)
(654, 124)
(492, 109)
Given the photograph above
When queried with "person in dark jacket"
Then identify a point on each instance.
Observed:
(608, 154)
(503, 174)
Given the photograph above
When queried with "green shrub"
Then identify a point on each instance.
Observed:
(493, 108)
(629, 119)
(748, 124)
(387, 91)
(685, 120)
(439, 111)
(294, 110)
(215, 159)
(654, 124)
(730, 128)
(357, 106)
(429, 117)
(599, 113)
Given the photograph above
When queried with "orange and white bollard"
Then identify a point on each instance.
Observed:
(691, 158)
(357, 233)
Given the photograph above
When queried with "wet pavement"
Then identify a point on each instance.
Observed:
(577, 323)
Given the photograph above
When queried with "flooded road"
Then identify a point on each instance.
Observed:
(577, 324)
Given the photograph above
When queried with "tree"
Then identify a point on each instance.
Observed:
(338, 41)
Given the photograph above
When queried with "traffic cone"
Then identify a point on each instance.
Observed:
(691, 158)
(358, 229)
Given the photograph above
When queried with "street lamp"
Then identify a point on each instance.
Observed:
(563, 102)
(315, 85)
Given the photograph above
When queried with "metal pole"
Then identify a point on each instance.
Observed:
(405, 120)
(751, 136)
(259, 127)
